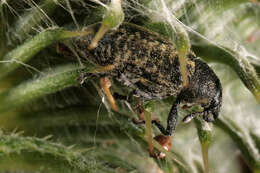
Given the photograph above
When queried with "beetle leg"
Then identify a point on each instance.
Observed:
(171, 122)
(106, 84)
(101, 69)
(104, 69)
(172, 119)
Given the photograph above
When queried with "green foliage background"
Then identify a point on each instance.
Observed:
(51, 123)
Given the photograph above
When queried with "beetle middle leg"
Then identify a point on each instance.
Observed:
(106, 84)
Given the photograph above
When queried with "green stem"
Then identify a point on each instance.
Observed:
(113, 18)
(239, 64)
(61, 77)
(12, 145)
(148, 129)
(20, 55)
(34, 17)
(128, 161)
(205, 135)
(183, 45)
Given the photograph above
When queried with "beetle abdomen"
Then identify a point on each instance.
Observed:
(142, 60)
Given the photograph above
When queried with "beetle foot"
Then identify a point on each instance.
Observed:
(165, 142)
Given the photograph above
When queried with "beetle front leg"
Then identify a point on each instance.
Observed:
(172, 119)
(165, 139)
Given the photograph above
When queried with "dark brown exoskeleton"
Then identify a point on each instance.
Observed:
(148, 63)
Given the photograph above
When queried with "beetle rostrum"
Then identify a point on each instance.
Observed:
(148, 63)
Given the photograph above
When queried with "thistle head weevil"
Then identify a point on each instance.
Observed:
(148, 63)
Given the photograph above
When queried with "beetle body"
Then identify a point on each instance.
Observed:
(149, 64)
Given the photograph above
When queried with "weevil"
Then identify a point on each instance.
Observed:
(149, 64)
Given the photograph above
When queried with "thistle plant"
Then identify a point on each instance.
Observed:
(51, 120)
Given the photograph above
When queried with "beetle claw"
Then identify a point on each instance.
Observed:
(165, 142)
